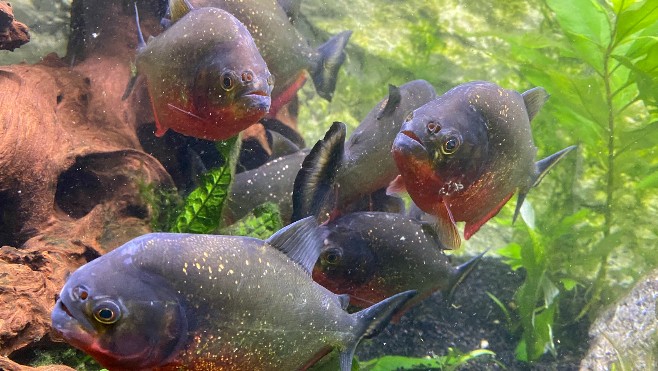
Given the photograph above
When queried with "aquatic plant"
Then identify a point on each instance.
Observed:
(260, 223)
(601, 61)
(203, 207)
(589, 229)
(451, 361)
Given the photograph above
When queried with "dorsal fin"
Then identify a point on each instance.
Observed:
(392, 102)
(301, 241)
(534, 100)
(178, 9)
(315, 179)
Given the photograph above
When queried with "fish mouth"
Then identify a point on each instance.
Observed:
(413, 136)
(65, 309)
(256, 93)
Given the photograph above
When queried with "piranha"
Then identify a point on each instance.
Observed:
(285, 50)
(209, 302)
(369, 255)
(463, 155)
(205, 75)
(366, 164)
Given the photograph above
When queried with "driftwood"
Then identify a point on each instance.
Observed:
(72, 165)
(13, 33)
(71, 169)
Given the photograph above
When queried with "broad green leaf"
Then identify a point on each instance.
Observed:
(587, 25)
(260, 223)
(635, 18)
(550, 291)
(650, 181)
(388, 363)
(513, 254)
(569, 284)
(639, 139)
(203, 207)
(621, 5)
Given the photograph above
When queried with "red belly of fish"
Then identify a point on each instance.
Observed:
(216, 123)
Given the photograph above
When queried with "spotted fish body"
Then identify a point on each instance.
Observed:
(367, 164)
(285, 50)
(205, 76)
(200, 302)
(271, 182)
(369, 255)
(463, 155)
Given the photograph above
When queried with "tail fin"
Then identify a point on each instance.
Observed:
(372, 320)
(460, 274)
(315, 179)
(325, 69)
(542, 168)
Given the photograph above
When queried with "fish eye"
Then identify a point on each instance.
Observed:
(450, 145)
(332, 256)
(433, 127)
(270, 80)
(107, 312)
(227, 81)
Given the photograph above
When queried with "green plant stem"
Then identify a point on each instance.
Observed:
(610, 186)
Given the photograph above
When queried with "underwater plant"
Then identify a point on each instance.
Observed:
(588, 230)
(203, 207)
(601, 61)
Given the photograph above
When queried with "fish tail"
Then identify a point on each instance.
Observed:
(542, 167)
(371, 321)
(460, 274)
(315, 180)
(331, 56)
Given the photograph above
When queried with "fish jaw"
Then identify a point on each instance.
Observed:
(408, 144)
(76, 330)
(415, 166)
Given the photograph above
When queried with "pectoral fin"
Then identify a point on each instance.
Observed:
(396, 186)
(446, 229)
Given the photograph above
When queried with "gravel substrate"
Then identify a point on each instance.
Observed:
(471, 321)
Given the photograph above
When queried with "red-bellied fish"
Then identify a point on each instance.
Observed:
(463, 155)
(208, 302)
(285, 50)
(205, 76)
(369, 255)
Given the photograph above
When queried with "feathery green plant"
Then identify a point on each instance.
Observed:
(600, 62)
